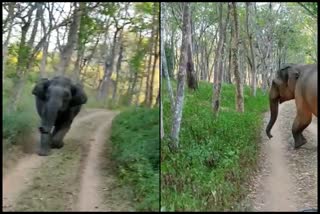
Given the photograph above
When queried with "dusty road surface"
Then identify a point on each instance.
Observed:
(287, 178)
(74, 178)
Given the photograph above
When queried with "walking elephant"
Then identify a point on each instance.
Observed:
(58, 101)
(297, 82)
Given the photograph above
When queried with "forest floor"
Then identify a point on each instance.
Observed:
(286, 179)
(78, 177)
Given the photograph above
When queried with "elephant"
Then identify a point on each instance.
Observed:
(58, 101)
(299, 82)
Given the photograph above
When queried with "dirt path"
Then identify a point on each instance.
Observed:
(90, 198)
(287, 178)
(30, 182)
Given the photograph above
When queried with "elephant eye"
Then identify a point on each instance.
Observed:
(66, 95)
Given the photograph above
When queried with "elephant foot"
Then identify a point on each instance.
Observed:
(299, 141)
(57, 145)
(41, 152)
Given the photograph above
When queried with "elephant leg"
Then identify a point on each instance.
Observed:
(57, 139)
(44, 148)
(302, 120)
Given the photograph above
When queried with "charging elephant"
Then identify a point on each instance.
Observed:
(297, 82)
(58, 101)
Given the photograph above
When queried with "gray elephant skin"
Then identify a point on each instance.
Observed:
(58, 101)
(298, 82)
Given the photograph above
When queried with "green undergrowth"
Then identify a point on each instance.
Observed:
(21, 122)
(135, 149)
(216, 154)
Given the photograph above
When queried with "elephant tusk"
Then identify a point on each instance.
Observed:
(52, 130)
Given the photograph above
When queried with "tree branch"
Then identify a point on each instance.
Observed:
(309, 11)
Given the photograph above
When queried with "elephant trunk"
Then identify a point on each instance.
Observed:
(274, 108)
(47, 126)
(50, 116)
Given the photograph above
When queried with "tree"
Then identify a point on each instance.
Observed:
(251, 59)
(181, 80)
(218, 70)
(8, 23)
(235, 52)
(72, 39)
(191, 75)
(152, 46)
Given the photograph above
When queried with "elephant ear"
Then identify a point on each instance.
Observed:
(288, 73)
(40, 88)
(283, 73)
(78, 95)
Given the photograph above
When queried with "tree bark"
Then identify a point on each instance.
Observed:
(23, 54)
(155, 58)
(118, 68)
(45, 48)
(252, 57)
(235, 52)
(151, 47)
(80, 45)
(6, 43)
(218, 71)
(191, 74)
(108, 69)
(72, 40)
(175, 130)
(165, 69)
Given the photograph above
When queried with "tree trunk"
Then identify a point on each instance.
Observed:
(23, 54)
(6, 43)
(155, 58)
(252, 57)
(72, 40)
(151, 47)
(118, 68)
(230, 58)
(132, 82)
(191, 74)
(218, 71)
(103, 92)
(90, 58)
(165, 69)
(235, 52)
(158, 98)
(161, 121)
(163, 62)
(171, 72)
(44, 58)
(175, 130)
(45, 48)
(80, 45)
(139, 90)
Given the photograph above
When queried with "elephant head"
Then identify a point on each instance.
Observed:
(55, 99)
(282, 89)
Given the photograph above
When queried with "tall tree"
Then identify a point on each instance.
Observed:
(118, 68)
(235, 57)
(155, 59)
(23, 54)
(251, 59)
(191, 74)
(72, 39)
(152, 46)
(218, 70)
(8, 23)
(177, 116)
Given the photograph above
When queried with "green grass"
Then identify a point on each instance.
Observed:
(135, 148)
(216, 155)
(21, 122)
